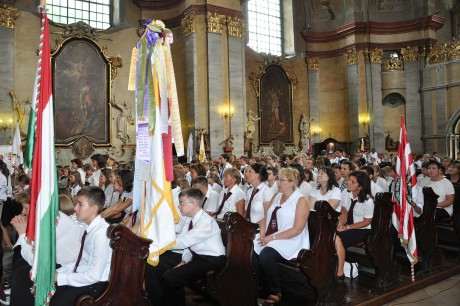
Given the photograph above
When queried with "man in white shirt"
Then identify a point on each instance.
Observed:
(202, 247)
(224, 161)
(90, 273)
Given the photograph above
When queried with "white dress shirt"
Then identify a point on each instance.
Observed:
(265, 194)
(3, 187)
(68, 237)
(203, 239)
(230, 204)
(212, 201)
(361, 210)
(95, 261)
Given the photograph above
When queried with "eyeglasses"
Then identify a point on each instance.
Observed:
(284, 180)
(185, 203)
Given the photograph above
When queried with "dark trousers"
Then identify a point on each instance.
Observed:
(441, 214)
(68, 295)
(266, 264)
(167, 281)
(21, 284)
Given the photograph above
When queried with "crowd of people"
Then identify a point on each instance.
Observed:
(277, 193)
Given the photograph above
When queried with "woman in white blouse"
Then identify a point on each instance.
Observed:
(259, 195)
(355, 220)
(327, 189)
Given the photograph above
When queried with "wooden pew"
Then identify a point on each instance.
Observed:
(127, 270)
(377, 268)
(312, 278)
(237, 283)
(426, 234)
(322, 273)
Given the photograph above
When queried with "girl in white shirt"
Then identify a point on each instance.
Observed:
(327, 189)
(75, 183)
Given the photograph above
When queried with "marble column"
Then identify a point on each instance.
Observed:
(353, 95)
(413, 113)
(217, 130)
(313, 98)
(237, 85)
(9, 15)
(374, 99)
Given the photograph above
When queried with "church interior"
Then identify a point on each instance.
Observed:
(340, 72)
(253, 77)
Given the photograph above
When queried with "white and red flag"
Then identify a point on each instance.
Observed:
(41, 225)
(404, 191)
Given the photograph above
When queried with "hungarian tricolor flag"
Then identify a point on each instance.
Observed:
(404, 191)
(41, 225)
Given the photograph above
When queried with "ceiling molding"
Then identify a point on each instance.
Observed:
(432, 22)
(362, 46)
(157, 4)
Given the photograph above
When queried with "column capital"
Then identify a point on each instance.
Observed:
(235, 27)
(215, 22)
(374, 56)
(188, 25)
(9, 15)
(312, 63)
(351, 56)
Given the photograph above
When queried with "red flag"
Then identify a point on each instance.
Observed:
(405, 187)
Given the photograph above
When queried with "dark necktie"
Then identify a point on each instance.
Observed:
(350, 212)
(204, 201)
(343, 186)
(81, 251)
(190, 226)
(247, 215)
(226, 196)
(273, 224)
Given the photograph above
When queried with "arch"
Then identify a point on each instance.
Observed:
(452, 137)
(393, 99)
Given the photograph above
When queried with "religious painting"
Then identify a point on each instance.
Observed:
(81, 91)
(275, 106)
(82, 148)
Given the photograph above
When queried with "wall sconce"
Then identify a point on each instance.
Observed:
(6, 125)
(364, 120)
(227, 112)
(316, 131)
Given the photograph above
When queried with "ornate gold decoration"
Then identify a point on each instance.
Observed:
(410, 54)
(375, 56)
(8, 15)
(80, 29)
(188, 25)
(443, 53)
(313, 63)
(115, 62)
(235, 27)
(351, 56)
(215, 22)
(255, 78)
(392, 64)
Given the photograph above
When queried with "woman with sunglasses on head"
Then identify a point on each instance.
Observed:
(327, 189)
(357, 210)
(283, 231)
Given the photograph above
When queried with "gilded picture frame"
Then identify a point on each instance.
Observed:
(275, 105)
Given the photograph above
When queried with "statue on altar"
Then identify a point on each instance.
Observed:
(250, 125)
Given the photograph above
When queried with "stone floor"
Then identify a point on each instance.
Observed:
(446, 293)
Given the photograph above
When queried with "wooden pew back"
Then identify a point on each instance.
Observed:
(127, 270)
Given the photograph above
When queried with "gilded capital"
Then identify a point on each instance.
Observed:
(447, 52)
(313, 63)
(375, 56)
(188, 25)
(410, 54)
(351, 56)
(392, 64)
(8, 15)
(235, 27)
(215, 22)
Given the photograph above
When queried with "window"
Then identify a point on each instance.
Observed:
(96, 13)
(264, 26)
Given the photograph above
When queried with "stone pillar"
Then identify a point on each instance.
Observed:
(237, 84)
(313, 98)
(413, 97)
(9, 15)
(374, 99)
(217, 129)
(191, 69)
(427, 102)
(353, 95)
